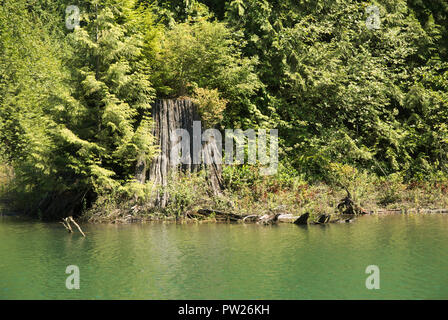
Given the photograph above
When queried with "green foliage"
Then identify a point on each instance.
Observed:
(393, 188)
(113, 90)
(185, 192)
(353, 106)
(331, 81)
(206, 54)
(31, 86)
(210, 105)
(247, 179)
(75, 118)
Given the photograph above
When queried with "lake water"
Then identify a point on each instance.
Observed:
(222, 261)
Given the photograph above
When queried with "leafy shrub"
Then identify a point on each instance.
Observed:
(210, 105)
(391, 189)
(185, 190)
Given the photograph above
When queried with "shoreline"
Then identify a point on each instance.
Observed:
(284, 218)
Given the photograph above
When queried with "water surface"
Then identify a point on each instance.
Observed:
(221, 261)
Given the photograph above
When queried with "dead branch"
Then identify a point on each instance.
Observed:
(77, 225)
(251, 217)
(67, 225)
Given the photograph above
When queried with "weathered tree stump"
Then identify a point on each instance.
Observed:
(303, 219)
(170, 115)
(346, 206)
(323, 218)
(140, 169)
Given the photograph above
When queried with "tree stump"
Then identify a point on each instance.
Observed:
(168, 116)
(303, 219)
(323, 218)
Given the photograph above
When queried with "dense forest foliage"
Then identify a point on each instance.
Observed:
(75, 102)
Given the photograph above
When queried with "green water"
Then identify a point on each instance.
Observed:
(220, 261)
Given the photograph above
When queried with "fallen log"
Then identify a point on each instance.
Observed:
(286, 217)
(269, 219)
(252, 217)
(221, 214)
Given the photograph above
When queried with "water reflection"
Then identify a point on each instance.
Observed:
(221, 261)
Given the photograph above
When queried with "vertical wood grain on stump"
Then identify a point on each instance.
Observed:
(169, 115)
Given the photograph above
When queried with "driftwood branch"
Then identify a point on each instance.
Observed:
(77, 225)
(66, 223)
(251, 217)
